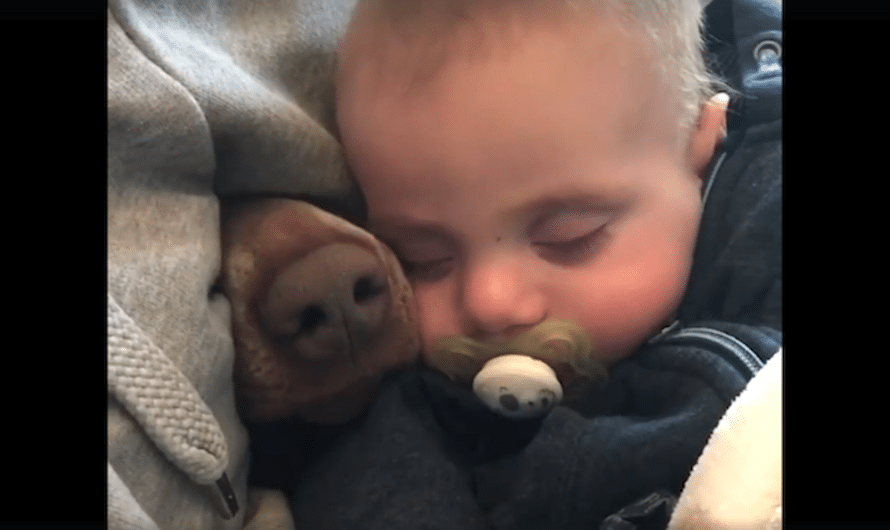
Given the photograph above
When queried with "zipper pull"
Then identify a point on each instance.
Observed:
(664, 331)
(225, 496)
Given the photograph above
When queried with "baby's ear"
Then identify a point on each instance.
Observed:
(709, 130)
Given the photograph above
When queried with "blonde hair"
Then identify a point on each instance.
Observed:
(429, 27)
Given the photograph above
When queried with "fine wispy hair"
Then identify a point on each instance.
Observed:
(425, 34)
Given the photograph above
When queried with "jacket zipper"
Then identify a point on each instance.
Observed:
(728, 346)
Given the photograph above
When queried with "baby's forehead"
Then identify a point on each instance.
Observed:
(593, 79)
(410, 52)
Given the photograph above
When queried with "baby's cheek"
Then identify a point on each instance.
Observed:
(626, 310)
(435, 314)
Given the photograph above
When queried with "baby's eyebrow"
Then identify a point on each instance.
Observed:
(545, 208)
(570, 200)
(403, 226)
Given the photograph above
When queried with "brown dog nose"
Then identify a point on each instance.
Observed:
(329, 303)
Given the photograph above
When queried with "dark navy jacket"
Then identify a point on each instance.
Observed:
(429, 455)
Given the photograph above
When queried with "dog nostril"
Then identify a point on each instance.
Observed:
(545, 402)
(311, 318)
(368, 287)
(509, 402)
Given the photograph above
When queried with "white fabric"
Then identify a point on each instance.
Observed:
(267, 509)
(737, 482)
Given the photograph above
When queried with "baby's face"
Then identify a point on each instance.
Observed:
(542, 182)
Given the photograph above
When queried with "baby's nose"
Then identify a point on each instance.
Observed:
(499, 299)
(329, 303)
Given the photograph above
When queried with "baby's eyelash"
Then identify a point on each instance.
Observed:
(573, 251)
(429, 270)
(426, 271)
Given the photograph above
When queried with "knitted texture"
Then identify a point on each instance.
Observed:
(163, 401)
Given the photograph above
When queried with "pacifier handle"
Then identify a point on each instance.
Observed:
(518, 386)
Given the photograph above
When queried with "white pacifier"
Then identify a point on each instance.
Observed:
(517, 386)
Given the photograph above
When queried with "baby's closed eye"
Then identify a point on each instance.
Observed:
(569, 237)
(423, 259)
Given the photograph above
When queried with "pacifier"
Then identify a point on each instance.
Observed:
(518, 386)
